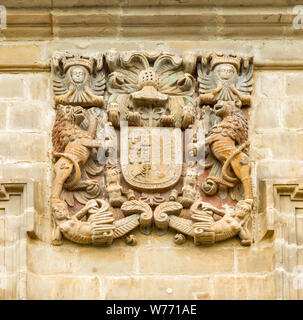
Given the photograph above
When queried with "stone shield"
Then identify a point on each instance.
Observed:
(151, 158)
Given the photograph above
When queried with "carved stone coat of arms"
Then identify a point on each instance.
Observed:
(151, 140)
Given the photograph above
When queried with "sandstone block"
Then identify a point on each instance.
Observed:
(30, 117)
(112, 261)
(294, 83)
(10, 227)
(11, 86)
(272, 169)
(199, 260)
(153, 287)
(40, 87)
(43, 226)
(281, 144)
(265, 114)
(285, 256)
(292, 113)
(269, 84)
(62, 287)
(254, 259)
(243, 288)
(44, 258)
(8, 287)
(23, 146)
(13, 55)
(3, 116)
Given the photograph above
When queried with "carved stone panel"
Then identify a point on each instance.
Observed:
(16, 220)
(143, 138)
(281, 215)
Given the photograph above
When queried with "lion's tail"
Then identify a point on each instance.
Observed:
(77, 175)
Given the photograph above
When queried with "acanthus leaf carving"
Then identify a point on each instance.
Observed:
(142, 208)
(162, 213)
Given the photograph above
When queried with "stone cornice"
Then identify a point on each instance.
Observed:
(34, 56)
(166, 21)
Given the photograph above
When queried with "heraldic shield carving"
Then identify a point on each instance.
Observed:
(151, 140)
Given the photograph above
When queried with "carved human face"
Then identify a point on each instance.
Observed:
(243, 208)
(190, 178)
(226, 71)
(112, 176)
(78, 74)
(112, 55)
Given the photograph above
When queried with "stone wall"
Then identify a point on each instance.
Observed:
(156, 268)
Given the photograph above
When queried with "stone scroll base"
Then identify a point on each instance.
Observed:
(16, 220)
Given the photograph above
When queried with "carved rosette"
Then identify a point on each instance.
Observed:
(151, 138)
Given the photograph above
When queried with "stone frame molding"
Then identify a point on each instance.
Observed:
(14, 226)
(281, 215)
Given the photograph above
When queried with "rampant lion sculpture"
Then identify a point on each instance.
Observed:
(227, 140)
(72, 145)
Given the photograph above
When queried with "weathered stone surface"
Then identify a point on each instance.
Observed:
(255, 260)
(36, 171)
(153, 287)
(19, 54)
(243, 288)
(266, 113)
(8, 287)
(23, 146)
(11, 87)
(63, 259)
(62, 287)
(112, 261)
(186, 261)
(272, 169)
(3, 116)
(35, 117)
(292, 113)
(280, 144)
(40, 88)
(294, 84)
(269, 85)
(79, 260)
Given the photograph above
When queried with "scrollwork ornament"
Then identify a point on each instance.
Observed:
(145, 138)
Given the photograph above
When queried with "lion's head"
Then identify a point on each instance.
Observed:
(68, 120)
